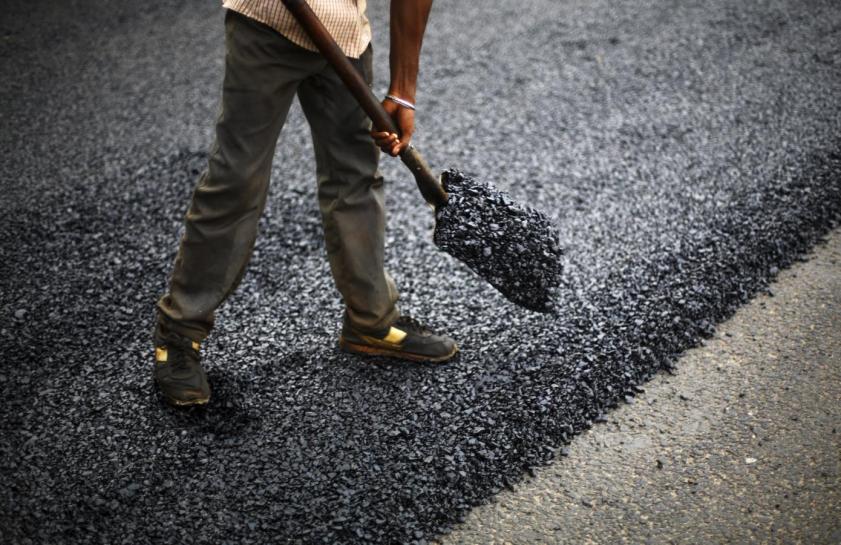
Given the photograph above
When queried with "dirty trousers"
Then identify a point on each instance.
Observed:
(263, 72)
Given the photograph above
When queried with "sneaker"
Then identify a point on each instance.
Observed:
(406, 339)
(178, 373)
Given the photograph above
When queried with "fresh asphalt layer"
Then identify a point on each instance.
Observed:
(686, 151)
(740, 444)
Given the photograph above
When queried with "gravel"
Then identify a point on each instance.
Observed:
(513, 247)
(684, 152)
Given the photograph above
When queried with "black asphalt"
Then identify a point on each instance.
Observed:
(511, 245)
(685, 151)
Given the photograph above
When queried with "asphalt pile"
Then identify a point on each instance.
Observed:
(685, 156)
(513, 247)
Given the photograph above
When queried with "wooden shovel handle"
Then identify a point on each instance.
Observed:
(428, 183)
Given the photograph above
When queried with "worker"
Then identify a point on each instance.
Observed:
(268, 61)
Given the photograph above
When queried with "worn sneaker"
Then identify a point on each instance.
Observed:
(406, 339)
(178, 373)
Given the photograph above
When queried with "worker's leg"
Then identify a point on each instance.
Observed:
(350, 194)
(262, 72)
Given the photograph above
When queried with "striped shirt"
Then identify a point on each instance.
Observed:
(345, 19)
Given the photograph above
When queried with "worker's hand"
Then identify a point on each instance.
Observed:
(404, 118)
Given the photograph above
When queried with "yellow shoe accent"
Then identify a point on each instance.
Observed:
(392, 340)
(161, 355)
(395, 336)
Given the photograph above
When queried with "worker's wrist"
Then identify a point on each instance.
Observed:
(403, 92)
(402, 102)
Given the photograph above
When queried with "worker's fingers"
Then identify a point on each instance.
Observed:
(384, 136)
(397, 150)
(404, 118)
(389, 148)
(398, 147)
(406, 123)
(380, 135)
(387, 144)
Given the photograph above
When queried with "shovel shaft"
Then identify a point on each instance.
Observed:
(428, 183)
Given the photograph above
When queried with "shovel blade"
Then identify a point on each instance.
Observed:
(513, 247)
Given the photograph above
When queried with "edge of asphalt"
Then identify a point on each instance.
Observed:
(740, 444)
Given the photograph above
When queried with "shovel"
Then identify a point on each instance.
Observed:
(513, 247)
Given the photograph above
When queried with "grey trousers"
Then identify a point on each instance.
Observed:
(263, 72)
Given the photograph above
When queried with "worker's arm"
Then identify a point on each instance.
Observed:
(408, 23)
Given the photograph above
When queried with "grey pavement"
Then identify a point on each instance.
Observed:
(742, 444)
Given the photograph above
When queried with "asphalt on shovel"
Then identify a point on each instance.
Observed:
(515, 248)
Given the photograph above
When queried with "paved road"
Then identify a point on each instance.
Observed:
(687, 151)
(741, 444)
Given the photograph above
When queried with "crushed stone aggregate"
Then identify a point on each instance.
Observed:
(686, 153)
(514, 247)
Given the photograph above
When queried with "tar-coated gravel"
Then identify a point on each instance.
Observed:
(513, 247)
(684, 151)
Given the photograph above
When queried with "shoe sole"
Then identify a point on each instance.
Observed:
(367, 350)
